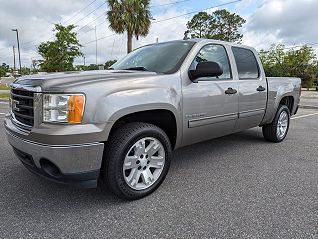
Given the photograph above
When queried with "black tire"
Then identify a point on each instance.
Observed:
(116, 149)
(270, 130)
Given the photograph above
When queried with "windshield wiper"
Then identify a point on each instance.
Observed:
(137, 68)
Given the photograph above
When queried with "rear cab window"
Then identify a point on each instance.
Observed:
(247, 66)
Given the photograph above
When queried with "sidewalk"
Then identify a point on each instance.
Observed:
(309, 99)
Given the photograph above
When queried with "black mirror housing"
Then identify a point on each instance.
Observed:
(205, 69)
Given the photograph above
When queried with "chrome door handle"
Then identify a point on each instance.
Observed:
(230, 91)
(261, 88)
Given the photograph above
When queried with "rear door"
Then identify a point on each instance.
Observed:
(252, 89)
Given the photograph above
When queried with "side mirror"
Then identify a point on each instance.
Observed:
(205, 69)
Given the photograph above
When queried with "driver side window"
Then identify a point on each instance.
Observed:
(216, 53)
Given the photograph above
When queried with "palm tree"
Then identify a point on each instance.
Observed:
(132, 16)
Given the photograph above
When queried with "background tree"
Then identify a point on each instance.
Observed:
(59, 55)
(25, 71)
(109, 63)
(273, 60)
(4, 68)
(316, 75)
(129, 16)
(35, 64)
(2, 71)
(92, 67)
(293, 62)
(199, 25)
(220, 25)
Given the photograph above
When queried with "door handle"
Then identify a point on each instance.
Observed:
(230, 91)
(261, 88)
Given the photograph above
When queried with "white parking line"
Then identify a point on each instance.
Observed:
(4, 103)
(303, 116)
(2, 113)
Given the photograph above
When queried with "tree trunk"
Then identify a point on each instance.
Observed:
(129, 42)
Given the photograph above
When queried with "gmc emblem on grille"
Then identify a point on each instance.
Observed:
(14, 105)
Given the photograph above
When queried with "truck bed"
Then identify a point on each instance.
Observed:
(279, 88)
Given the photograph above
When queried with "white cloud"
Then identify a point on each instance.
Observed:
(283, 21)
(34, 19)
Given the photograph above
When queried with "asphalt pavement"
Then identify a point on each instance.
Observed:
(309, 99)
(238, 186)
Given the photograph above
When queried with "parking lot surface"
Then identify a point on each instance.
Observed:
(238, 186)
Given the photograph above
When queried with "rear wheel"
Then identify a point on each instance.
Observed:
(278, 129)
(137, 159)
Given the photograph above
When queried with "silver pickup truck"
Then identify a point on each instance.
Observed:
(121, 125)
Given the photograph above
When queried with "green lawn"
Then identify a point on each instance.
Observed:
(4, 95)
(3, 87)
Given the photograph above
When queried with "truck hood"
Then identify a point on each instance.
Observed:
(62, 81)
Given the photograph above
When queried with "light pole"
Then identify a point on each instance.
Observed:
(16, 30)
(13, 60)
(96, 44)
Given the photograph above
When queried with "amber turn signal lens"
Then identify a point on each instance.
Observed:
(75, 109)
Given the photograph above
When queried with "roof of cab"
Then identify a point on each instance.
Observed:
(204, 40)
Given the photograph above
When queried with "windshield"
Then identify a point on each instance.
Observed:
(161, 58)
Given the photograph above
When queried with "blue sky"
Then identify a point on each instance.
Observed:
(268, 21)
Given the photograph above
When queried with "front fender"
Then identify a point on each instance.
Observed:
(113, 106)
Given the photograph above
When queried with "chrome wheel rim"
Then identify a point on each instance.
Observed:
(144, 163)
(282, 125)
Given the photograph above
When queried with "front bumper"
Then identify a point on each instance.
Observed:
(77, 165)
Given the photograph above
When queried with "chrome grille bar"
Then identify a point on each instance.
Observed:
(22, 104)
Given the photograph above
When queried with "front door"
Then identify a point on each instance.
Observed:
(210, 107)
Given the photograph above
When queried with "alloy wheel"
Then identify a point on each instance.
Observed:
(144, 163)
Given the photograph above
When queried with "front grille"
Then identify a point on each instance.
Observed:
(22, 104)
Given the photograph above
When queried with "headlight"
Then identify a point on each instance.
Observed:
(60, 108)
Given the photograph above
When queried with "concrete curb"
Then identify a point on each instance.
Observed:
(308, 97)
(308, 107)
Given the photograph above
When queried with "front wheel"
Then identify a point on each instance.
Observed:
(278, 129)
(137, 160)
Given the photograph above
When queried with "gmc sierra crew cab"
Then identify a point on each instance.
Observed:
(121, 125)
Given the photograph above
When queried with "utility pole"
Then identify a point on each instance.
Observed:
(157, 40)
(16, 30)
(84, 60)
(96, 44)
(13, 60)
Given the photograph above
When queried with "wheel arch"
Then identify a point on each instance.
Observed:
(164, 118)
(288, 101)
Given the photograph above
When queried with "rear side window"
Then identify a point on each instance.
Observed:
(246, 63)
